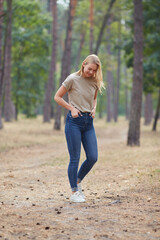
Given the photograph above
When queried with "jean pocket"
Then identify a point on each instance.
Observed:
(70, 115)
(76, 117)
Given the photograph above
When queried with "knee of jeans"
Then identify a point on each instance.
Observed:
(93, 158)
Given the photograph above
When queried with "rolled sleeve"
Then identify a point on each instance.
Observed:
(68, 83)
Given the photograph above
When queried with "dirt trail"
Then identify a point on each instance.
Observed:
(122, 191)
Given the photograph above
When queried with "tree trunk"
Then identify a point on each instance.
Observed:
(66, 60)
(20, 56)
(74, 3)
(103, 26)
(126, 93)
(100, 105)
(91, 25)
(109, 89)
(118, 73)
(17, 96)
(7, 65)
(157, 113)
(113, 94)
(51, 78)
(1, 21)
(136, 102)
(80, 49)
(1, 75)
(49, 5)
(148, 109)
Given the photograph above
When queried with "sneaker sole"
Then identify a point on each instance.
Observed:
(77, 201)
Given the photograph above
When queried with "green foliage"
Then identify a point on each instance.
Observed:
(30, 51)
(31, 46)
(151, 45)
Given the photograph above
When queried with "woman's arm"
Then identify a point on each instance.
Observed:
(59, 99)
(94, 104)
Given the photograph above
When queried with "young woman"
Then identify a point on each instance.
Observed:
(82, 88)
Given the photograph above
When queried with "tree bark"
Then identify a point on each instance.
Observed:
(109, 90)
(66, 60)
(103, 26)
(49, 5)
(82, 40)
(20, 56)
(126, 94)
(51, 78)
(1, 75)
(91, 15)
(100, 104)
(148, 109)
(109, 80)
(136, 102)
(1, 21)
(73, 9)
(118, 73)
(157, 113)
(7, 65)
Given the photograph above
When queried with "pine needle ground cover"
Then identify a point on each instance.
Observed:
(122, 190)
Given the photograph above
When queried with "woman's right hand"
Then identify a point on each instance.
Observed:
(75, 112)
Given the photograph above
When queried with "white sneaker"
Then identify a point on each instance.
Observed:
(77, 197)
(80, 190)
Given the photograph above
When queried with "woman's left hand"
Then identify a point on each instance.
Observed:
(93, 112)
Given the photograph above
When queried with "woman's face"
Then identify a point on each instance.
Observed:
(89, 69)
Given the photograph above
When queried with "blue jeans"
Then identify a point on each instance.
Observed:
(79, 130)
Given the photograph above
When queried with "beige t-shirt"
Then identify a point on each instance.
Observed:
(81, 91)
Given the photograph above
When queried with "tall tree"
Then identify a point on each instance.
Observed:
(1, 75)
(7, 64)
(126, 93)
(66, 59)
(109, 89)
(118, 71)
(157, 113)
(82, 40)
(51, 78)
(49, 5)
(103, 26)
(18, 82)
(136, 102)
(148, 109)
(1, 20)
(91, 15)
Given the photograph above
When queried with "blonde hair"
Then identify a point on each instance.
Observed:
(94, 59)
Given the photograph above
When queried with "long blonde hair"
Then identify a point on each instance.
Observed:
(94, 59)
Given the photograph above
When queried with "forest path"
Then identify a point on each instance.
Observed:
(122, 190)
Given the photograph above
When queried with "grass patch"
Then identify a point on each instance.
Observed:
(28, 133)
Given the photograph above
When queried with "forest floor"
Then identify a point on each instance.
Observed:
(122, 190)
